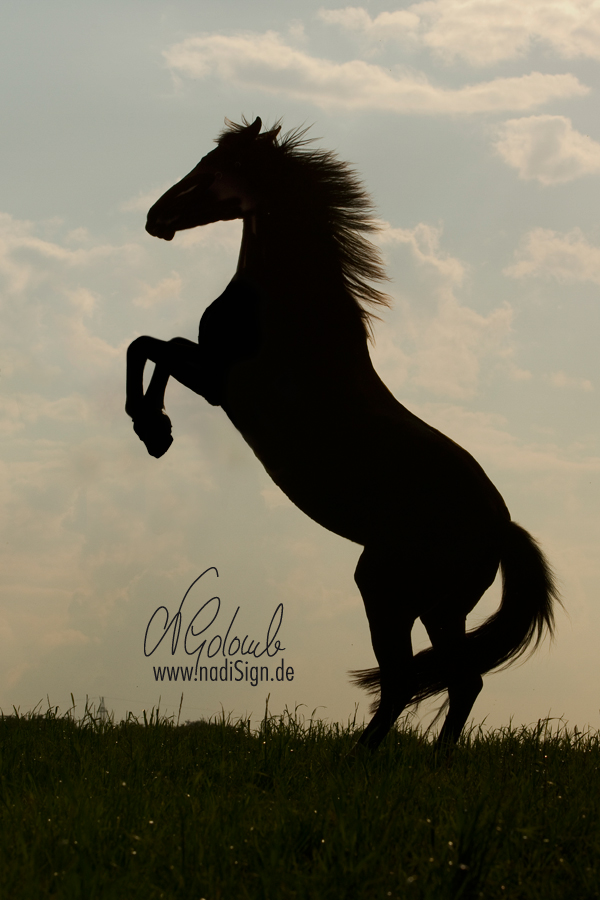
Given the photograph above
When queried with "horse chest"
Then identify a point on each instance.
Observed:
(229, 332)
(252, 367)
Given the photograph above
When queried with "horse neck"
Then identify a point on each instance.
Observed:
(302, 284)
(250, 254)
(276, 249)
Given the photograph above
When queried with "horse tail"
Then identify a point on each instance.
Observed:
(526, 612)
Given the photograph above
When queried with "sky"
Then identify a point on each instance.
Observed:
(473, 125)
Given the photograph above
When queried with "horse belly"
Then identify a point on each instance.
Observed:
(361, 475)
(334, 502)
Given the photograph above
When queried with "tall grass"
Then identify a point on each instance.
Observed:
(212, 810)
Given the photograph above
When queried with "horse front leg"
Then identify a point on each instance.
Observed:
(178, 357)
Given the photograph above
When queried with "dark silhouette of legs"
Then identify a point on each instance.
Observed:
(391, 624)
(447, 633)
(177, 358)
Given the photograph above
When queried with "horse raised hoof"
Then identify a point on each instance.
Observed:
(154, 429)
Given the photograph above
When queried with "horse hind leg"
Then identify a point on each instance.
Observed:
(390, 628)
(447, 633)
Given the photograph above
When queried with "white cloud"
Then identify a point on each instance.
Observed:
(402, 24)
(483, 32)
(219, 236)
(451, 348)
(562, 380)
(448, 346)
(274, 497)
(144, 200)
(265, 62)
(566, 257)
(22, 251)
(547, 148)
(168, 288)
(24, 408)
(424, 242)
(487, 437)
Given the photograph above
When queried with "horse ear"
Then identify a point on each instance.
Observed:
(272, 135)
(254, 130)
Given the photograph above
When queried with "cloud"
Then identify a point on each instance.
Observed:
(562, 380)
(424, 242)
(265, 62)
(19, 409)
(482, 32)
(168, 288)
(449, 344)
(549, 254)
(274, 497)
(452, 347)
(22, 251)
(144, 200)
(402, 24)
(488, 438)
(219, 236)
(547, 148)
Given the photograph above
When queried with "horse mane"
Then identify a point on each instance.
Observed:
(340, 208)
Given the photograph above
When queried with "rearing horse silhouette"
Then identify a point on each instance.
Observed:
(284, 351)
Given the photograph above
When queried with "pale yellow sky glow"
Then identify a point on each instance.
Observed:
(474, 126)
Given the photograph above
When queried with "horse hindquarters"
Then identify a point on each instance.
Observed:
(440, 587)
(457, 659)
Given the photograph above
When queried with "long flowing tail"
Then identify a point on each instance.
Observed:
(529, 593)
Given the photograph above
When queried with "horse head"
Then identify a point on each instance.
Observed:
(218, 189)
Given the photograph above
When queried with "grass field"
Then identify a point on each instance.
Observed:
(150, 809)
